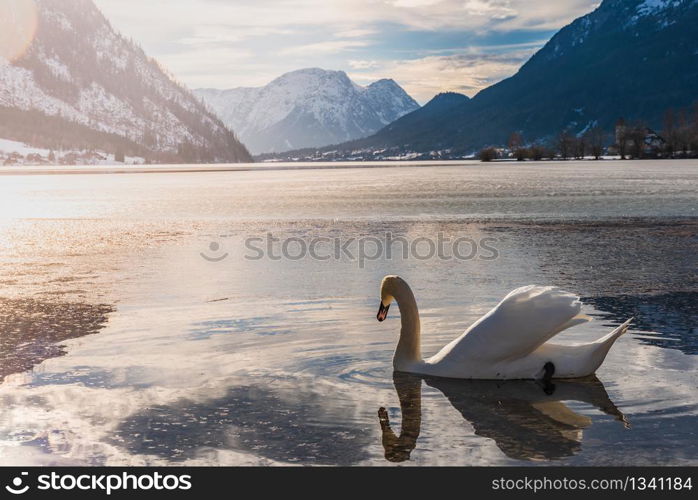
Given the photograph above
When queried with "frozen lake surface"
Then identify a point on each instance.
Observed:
(138, 325)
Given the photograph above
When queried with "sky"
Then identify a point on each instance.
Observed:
(427, 46)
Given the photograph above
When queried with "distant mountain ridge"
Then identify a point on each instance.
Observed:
(630, 58)
(82, 85)
(308, 108)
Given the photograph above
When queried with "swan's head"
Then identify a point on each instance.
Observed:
(389, 286)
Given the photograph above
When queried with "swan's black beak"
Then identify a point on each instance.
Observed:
(382, 312)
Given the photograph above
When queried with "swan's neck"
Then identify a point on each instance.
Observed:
(408, 351)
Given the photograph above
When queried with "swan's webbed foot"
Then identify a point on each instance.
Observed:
(547, 380)
(383, 418)
(548, 371)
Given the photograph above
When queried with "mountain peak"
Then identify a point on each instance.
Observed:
(447, 98)
(384, 82)
(309, 107)
(312, 75)
(314, 71)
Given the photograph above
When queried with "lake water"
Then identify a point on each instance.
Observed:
(138, 326)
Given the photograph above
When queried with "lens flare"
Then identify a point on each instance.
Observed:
(18, 21)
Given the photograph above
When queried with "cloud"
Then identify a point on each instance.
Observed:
(344, 15)
(466, 73)
(329, 47)
(356, 33)
(194, 66)
(220, 34)
(360, 64)
(217, 43)
(494, 10)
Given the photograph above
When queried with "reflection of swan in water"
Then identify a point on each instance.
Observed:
(409, 392)
(527, 420)
(512, 341)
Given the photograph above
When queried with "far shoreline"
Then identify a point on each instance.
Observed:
(283, 166)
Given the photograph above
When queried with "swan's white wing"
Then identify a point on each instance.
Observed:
(520, 323)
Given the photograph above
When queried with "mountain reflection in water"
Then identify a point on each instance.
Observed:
(526, 420)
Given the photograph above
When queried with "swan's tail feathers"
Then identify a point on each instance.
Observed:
(621, 329)
(613, 336)
(603, 345)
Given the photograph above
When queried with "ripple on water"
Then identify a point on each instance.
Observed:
(368, 368)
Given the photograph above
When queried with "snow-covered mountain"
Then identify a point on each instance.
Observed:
(308, 108)
(81, 85)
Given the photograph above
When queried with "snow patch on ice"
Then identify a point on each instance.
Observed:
(15, 153)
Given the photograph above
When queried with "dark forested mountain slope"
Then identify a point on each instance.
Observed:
(630, 58)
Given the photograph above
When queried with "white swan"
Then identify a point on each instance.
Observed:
(509, 342)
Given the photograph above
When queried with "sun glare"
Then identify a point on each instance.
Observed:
(18, 21)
